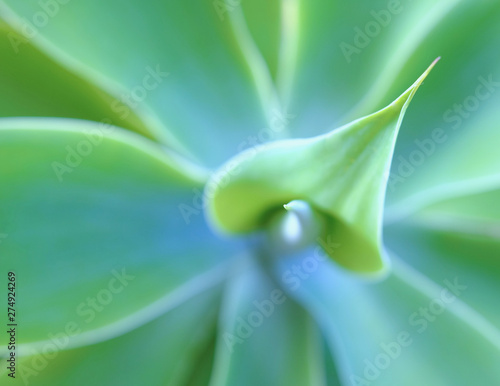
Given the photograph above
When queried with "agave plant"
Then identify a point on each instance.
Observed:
(226, 193)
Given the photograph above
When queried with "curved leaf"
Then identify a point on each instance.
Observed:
(396, 330)
(466, 163)
(97, 232)
(264, 337)
(34, 85)
(345, 47)
(342, 173)
(149, 355)
(447, 141)
(265, 29)
(473, 212)
(455, 247)
(174, 62)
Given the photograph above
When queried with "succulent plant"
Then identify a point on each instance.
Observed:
(225, 192)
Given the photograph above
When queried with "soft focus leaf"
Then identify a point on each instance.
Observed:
(463, 247)
(34, 85)
(478, 208)
(342, 173)
(331, 371)
(264, 338)
(275, 35)
(398, 330)
(419, 33)
(264, 28)
(465, 163)
(229, 75)
(209, 95)
(150, 355)
(449, 138)
(106, 244)
(343, 48)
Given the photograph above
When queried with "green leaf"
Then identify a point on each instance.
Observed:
(34, 85)
(95, 212)
(342, 174)
(264, 28)
(448, 138)
(465, 163)
(273, 35)
(344, 47)
(440, 245)
(353, 57)
(478, 208)
(396, 330)
(210, 90)
(264, 337)
(331, 371)
(418, 34)
(149, 355)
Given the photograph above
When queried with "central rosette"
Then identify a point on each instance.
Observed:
(339, 177)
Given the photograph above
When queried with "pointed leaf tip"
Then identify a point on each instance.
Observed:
(340, 177)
